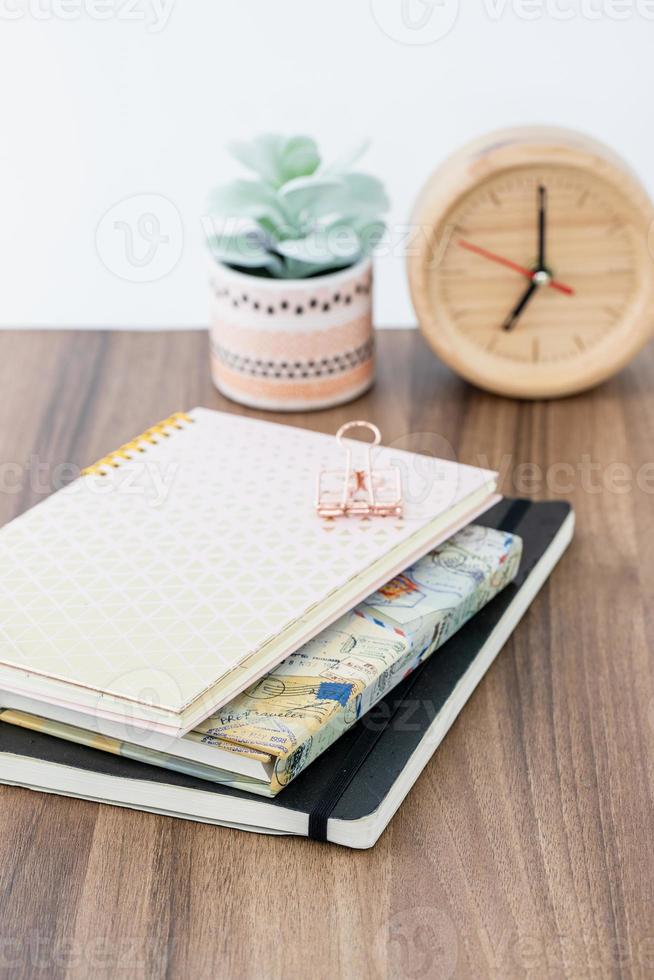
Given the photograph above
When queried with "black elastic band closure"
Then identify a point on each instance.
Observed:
(373, 727)
(514, 515)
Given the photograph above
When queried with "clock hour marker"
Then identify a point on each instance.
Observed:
(535, 349)
(579, 342)
(492, 342)
(495, 199)
(612, 312)
(582, 200)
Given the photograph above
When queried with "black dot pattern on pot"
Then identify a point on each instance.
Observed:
(242, 300)
(262, 368)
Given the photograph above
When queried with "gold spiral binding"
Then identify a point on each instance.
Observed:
(138, 445)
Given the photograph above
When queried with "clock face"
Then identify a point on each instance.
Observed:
(536, 278)
(589, 251)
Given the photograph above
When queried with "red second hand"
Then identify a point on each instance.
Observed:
(523, 270)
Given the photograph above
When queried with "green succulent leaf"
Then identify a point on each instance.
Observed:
(318, 195)
(366, 194)
(248, 199)
(276, 231)
(335, 246)
(260, 155)
(293, 269)
(245, 249)
(299, 158)
(370, 234)
(277, 158)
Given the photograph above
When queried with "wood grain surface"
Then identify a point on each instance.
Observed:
(525, 848)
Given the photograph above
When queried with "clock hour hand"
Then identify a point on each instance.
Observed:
(517, 310)
(542, 204)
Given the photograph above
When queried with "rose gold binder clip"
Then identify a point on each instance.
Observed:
(359, 492)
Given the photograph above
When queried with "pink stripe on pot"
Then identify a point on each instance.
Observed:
(286, 343)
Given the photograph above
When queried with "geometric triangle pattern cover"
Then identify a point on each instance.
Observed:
(184, 560)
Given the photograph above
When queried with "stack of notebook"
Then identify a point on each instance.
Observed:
(181, 631)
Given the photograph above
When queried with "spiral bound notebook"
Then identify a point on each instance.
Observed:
(191, 561)
(350, 794)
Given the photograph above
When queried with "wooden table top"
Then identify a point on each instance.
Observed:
(525, 848)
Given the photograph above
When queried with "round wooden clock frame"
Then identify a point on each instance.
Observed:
(530, 269)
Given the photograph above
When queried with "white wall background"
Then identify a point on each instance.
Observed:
(109, 101)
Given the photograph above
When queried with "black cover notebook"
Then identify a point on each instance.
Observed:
(350, 794)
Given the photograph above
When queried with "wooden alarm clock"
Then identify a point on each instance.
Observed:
(530, 270)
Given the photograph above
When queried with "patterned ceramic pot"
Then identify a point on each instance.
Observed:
(292, 345)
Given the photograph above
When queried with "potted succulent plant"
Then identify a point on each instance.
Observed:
(291, 277)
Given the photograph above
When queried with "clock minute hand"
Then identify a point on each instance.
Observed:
(521, 269)
(517, 310)
(542, 205)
